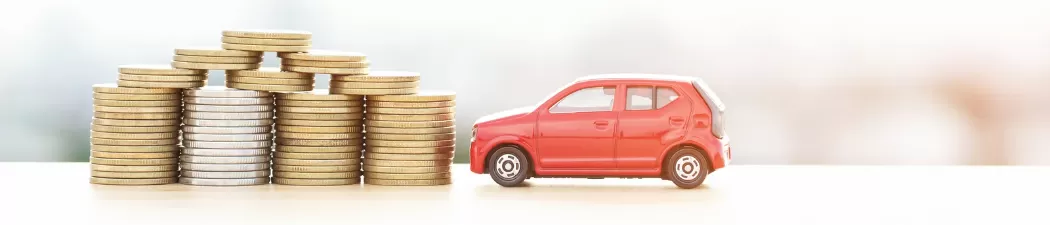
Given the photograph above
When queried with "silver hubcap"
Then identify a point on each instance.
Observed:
(508, 166)
(687, 167)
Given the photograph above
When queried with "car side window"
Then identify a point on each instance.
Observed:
(664, 96)
(639, 97)
(591, 99)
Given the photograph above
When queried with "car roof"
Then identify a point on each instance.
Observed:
(638, 76)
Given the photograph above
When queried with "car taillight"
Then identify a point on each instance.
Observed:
(473, 134)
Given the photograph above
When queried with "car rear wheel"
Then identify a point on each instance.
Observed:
(508, 166)
(687, 168)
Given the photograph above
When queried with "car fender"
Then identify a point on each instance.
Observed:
(503, 140)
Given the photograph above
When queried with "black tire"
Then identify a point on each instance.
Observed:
(497, 171)
(700, 167)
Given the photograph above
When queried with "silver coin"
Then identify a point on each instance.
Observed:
(224, 159)
(228, 115)
(224, 182)
(228, 123)
(228, 101)
(224, 92)
(227, 144)
(227, 137)
(225, 175)
(224, 167)
(226, 130)
(228, 108)
(226, 152)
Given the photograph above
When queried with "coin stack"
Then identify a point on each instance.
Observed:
(319, 139)
(409, 139)
(336, 63)
(134, 135)
(269, 79)
(376, 83)
(227, 138)
(266, 40)
(160, 76)
(215, 59)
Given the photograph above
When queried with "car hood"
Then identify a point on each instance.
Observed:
(504, 114)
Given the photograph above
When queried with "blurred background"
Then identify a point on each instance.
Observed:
(805, 82)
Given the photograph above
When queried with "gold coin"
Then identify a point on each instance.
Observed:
(319, 136)
(134, 155)
(381, 77)
(136, 181)
(138, 116)
(321, 123)
(121, 142)
(281, 128)
(422, 96)
(319, 116)
(439, 104)
(216, 52)
(267, 48)
(140, 97)
(112, 88)
(269, 72)
(149, 109)
(264, 41)
(228, 101)
(314, 103)
(317, 155)
(411, 111)
(268, 34)
(316, 162)
(329, 175)
(135, 136)
(319, 143)
(315, 182)
(416, 157)
(410, 124)
(269, 87)
(324, 70)
(130, 148)
(316, 169)
(325, 64)
(403, 170)
(217, 59)
(120, 103)
(215, 66)
(134, 175)
(434, 182)
(318, 95)
(314, 149)
(431, 117)
(276, 81)
(138, 129)
(156, 168)
(406, 163)
(324, 55)
(422, 150)
(321, 110)
(420, 130)
(411, 137)
(410, 144)
(134, 123)
(157, 84)
(161, 78)
(158, 70)
(373, 85)
(134, 162)
(372, 91)
(407, 176)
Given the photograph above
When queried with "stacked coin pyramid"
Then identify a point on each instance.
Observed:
(135, 135)
(227, 137)
(409, 139)
(319, 139)
(160, 76)
(270, 79)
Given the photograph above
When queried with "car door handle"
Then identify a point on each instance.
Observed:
(601, 123)
(674, 120)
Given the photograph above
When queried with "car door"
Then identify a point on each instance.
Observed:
(654, 118)
(577, 132)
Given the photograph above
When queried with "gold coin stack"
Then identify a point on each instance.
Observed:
(376, 83)
(410, 139)
(266, 40)
(269, 79)
(215, 59)
(160, 76)
(319, 139)
(337, 63)
(227, 137)
(135, 135)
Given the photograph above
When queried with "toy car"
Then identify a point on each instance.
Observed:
(608, 125)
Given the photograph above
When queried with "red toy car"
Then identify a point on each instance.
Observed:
(609, 125)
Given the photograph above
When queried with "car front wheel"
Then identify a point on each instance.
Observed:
(508, 166)
(687, 168)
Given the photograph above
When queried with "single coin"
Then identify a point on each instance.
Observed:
(373, 91)
(422, 96)
(320, 155)
(315, 182)
(139, 97)
(422, 150)
(325, 55)
(325, 64)
(316, 169)
(136, 181)
(272, 81)
(224, 159)
(264, 41)
(308, 103)
(227, 115)
(224, 92)
(321, 123)
(134, 123)
(406, 163)
(411, 137)
(157, 70)
(382, 77)
(290, 109)
(327, 130)
(151, 84)
(409, 144)
(319, 143)
(228, 123)
(229, 108)
(407, 176)
(419, 157)
(162, 78)
(316, 162)
(226, 152)
(390, 117)
(269, 72)
(215, 52)
(150, 109)
(134, 155)
(410, 124)
(134, 175)
(224, 167)
(319, 136)
(124, 148)
(269, 87)
(229, 101)
(215, 66)
(325, 70)
(439, 104)
(227, 130)
(434, 182)
(112, 88)
(320, 116)
(267, 48)
(428, 130)
(421, 169)
(134, 162)
(316, 149)
(268, 34)
(217, 59)
(140, 129)
(138, 116)
(225, 175)
(227, 137)
(411, 111)
(373, 85)
(155, 168)
(224, 182)
(331, 175)
(102, 141)
(318, 95)
(227, 144)
(120, 103)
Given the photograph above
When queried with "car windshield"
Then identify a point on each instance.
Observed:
(551, 95)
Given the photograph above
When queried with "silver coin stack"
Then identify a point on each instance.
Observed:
(227, 137)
